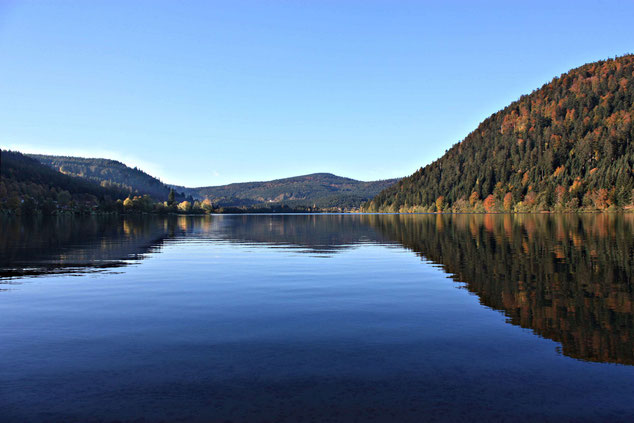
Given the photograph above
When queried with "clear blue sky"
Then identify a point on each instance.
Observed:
(207, 93)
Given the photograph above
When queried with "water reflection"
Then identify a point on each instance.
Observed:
(304, 233)
(31, 247)
(37, 246)
(567, 278)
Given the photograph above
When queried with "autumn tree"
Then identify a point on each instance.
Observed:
(489, 203)
(508, 202)
(206, 205)
(128, 204)
(185, 206)
(473, 198)
(440, 201)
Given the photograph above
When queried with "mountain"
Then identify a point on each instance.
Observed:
(323, 190)
(567, 145)
(109, 173)
(27, 186)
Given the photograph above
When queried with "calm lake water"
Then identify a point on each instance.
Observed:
(317, 318)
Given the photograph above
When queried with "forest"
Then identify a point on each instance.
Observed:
(29, 187)
(565, 147)
(109, 174)
(316, 190)
(322, 191)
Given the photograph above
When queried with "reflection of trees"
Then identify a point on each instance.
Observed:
(568, 278)
(316, 233)
(69, 244)
(62, 244)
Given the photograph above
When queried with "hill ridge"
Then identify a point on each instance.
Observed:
(108, 173)
(321, 189)
(566, 145)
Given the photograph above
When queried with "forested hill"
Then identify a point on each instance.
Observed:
(109, 174)
(323, 190)
(27, 186)
(567, 145)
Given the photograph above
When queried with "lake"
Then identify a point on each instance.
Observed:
(273, 318)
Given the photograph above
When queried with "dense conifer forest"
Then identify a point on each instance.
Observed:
(36, 184)
(109, 174)
(314, 192)
(321, 190)
(29, 187)
(566, 146)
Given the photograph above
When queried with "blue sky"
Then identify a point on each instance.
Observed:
(207, 93)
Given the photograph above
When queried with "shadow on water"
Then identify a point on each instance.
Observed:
(568, 278)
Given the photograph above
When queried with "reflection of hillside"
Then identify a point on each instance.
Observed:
(60, 245)
(568, 278)
(312, 233)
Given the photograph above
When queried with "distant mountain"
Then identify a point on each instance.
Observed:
(28, 185)
(323, 190)
(109, 173)
(565, 146)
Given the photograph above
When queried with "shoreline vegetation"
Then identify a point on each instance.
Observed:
(52, 201)
(142, 206)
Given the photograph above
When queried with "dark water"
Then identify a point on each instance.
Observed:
(318, 318)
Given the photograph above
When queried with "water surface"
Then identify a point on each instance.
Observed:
(317, 318)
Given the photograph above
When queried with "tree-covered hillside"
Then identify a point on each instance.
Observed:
(323, 190)
(27, 186)
(567, 145)
(109, 173)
